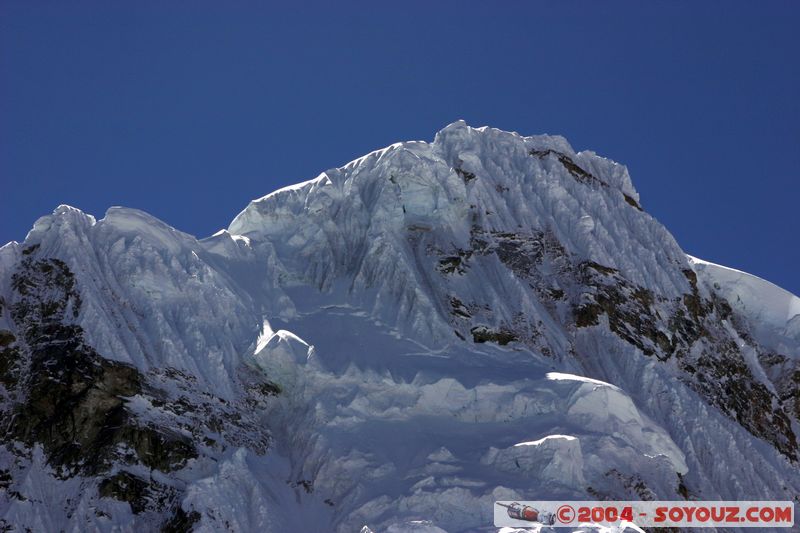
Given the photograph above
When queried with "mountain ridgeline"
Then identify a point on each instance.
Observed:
(391, 346)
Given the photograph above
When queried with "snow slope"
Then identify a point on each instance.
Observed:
(395, 345)
(775, 310)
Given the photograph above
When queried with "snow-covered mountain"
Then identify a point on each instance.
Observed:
(393, 345)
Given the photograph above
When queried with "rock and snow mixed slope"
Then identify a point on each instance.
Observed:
(392, 345)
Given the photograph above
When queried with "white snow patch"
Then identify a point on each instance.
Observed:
(560, 376)
(761, 300)
(545, 439)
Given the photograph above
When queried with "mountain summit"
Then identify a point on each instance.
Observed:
(393, 345)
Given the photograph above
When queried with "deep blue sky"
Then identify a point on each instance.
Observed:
(190, 109)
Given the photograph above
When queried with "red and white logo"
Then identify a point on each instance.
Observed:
(762, 514)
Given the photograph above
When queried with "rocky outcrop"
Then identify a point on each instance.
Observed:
(701, 333)
(67, 397)
(63, 396)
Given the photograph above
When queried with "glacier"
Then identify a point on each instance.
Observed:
(390, 346)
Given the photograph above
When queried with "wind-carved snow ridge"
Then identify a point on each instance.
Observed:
(356, 221)
(152, 296)
(391, 346)
(766, 304)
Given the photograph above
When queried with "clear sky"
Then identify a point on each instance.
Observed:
(190, 109)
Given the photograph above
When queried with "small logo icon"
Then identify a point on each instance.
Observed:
(527, 513)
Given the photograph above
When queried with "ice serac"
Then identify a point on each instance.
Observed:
(391, 346)
(380, 221)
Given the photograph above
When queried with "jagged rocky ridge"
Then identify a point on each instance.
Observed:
(407, 338)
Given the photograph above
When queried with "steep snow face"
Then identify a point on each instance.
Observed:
(121, 342)
(152, 296)
(768, 322)
(490, 238)
(393, 345)
(383, 217)
(389, 432)
(772, 309)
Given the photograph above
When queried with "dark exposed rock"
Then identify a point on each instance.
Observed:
(481, 334)
(723, 376)
(75, 407)
(608, 271)
(618, 482)
(126, 487)
(465, 175)
(181, 521)
(555, 294)
(30, 249)
(632, 484)
(458, 308)
(197, 412)
(784, 372)
(306, 484)
(683, 490)
(147, 495)
(632, 202)
(576, 171)
(720, 373)
(655, 325)
(451, 265)
(628, 308)
(9, 359)
(269, 388)
(69, 399)
(522, 252)
(6, 338)
(5, 479)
